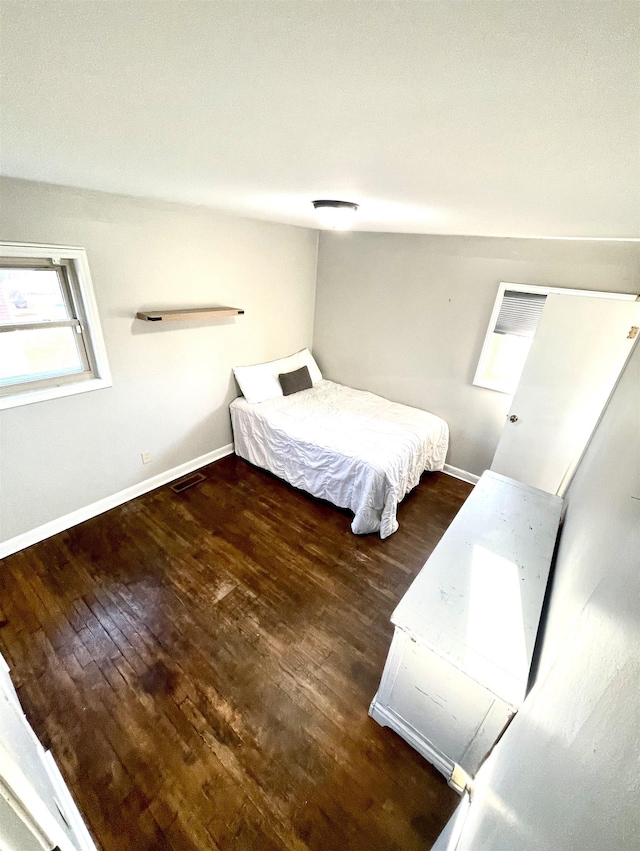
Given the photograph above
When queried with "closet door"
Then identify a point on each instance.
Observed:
(36, 808)
(579, 350)
(15, 835)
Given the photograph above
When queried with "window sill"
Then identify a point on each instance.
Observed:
(28, 397)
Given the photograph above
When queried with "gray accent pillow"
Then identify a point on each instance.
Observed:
(293, 382)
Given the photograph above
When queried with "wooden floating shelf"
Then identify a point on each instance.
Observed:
(187, 313)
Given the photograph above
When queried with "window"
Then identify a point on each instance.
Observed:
(516, 313)
(50, 339)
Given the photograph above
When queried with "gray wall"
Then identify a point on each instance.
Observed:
(565, 775)
(405, 316)
(171, 384)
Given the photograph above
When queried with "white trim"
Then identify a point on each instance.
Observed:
(47, 530)
(28, 397)
(544, 290)
(457, 473)
(33, 536)
(478, 380)
(71, 812)
(89, 307)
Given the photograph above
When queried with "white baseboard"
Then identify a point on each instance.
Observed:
(457, 473)
(33, 536)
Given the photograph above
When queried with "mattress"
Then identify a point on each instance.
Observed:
(352, 448)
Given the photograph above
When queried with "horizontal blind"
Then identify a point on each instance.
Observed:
(519, 313)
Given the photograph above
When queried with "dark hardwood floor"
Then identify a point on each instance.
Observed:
(201, 666)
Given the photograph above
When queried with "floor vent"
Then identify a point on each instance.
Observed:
(187, 482)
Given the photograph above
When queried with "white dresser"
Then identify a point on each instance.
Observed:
(460, 658)
(37, 812)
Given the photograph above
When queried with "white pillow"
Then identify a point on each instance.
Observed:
(260, 382)
(305, 358)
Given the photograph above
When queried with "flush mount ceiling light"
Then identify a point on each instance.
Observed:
(335, 215)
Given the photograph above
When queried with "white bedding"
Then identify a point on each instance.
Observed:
(352, 448)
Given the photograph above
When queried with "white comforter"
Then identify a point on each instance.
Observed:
(355, 449)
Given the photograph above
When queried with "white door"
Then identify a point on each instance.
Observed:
(36, 808)
(578, 352)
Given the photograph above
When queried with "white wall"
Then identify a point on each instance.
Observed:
(405, 316)
(172, 383)
(565, 776)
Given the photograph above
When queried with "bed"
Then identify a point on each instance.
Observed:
(350, 447)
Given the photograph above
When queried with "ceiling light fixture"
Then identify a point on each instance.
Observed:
(335, 215)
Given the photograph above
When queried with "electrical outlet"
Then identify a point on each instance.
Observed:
(146, 457)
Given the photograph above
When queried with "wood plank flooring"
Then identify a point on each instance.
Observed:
(201, 666)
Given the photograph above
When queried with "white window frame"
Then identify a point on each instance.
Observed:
(478, 379)
(98, 375)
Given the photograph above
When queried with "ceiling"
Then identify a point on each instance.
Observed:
(497, 118)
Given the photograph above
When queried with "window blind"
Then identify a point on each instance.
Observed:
(519, 313)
